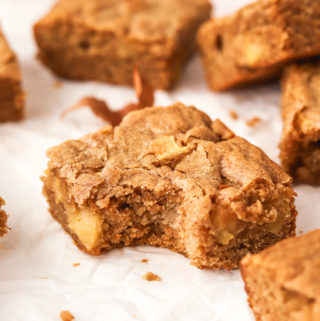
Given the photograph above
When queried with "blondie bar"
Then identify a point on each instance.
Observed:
(170, 177)
(11, 94)
(258, 40)
(105, 39)
(283, 281)
(300, 143)
(3, 219)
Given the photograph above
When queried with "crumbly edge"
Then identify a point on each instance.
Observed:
(135, 218)
(220, 247)
(270, 300)
(248, 236)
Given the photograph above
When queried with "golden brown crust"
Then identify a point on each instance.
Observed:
(300, 143)
(3, 219)
(283, 281)
(258, 40)
(213, 196)
(11, 95)
(105, 39)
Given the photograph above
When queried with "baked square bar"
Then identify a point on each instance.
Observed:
(170, 177)
(3, 219)
(11, 94)
(105, 39)
(283, 281)
(300, 143)
(258, 40)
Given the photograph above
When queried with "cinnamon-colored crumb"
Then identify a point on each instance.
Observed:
(144, 261)
(234, 115)
(66, 316)
(57, 84)
(252, 122)
(76, 264)
(149, 276)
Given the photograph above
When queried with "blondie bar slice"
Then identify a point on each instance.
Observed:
(105, 39)
(258, 40)
(11, 95)
(300, 143)
(170, 177)
(283, 281)
(3, 219)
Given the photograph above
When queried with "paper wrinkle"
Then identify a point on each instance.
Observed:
(37, 276)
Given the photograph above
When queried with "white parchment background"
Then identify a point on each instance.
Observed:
(37, 276)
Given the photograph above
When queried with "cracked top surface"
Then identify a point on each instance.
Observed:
(8, 63)
(301, 100)
(146, 20)
(295, 263)
(158, 146)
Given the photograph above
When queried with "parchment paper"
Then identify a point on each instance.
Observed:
(37, 276)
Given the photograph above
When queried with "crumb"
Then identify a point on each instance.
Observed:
(149, 276)
(66, 316)
(57, 84)
(144, 261)
(300, 232)
(224, 186)
(234, 115)
(253, 121)
(75, 264)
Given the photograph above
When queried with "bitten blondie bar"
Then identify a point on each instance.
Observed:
(283, 281)
(258, 40)
(11, 95)
(170, 177)
(3, 219)
(105, 39)
(300, 143)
